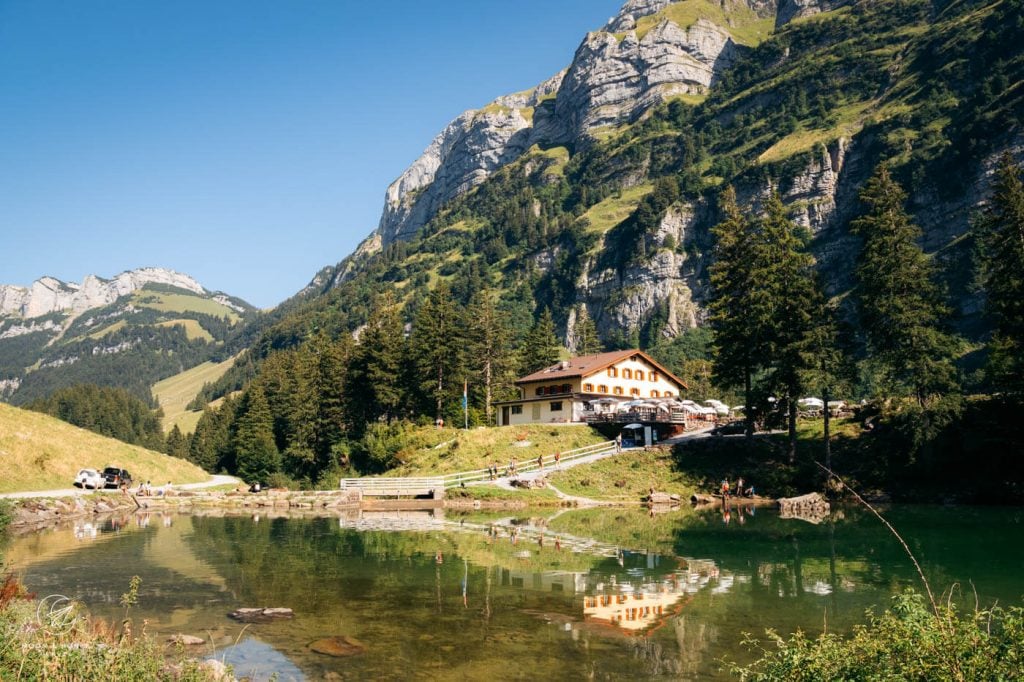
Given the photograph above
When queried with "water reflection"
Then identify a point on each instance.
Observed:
(583, 593)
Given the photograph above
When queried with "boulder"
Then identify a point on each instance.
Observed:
(186, 640)
(261, 615)
(338, 646)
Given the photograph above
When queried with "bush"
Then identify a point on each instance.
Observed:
(907, 642)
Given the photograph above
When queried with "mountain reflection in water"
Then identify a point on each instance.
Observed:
(610, 593)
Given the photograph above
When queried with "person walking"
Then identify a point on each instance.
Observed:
(558, 458)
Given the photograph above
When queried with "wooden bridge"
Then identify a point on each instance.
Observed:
(434, 487)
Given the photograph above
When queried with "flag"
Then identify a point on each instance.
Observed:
(465, 395)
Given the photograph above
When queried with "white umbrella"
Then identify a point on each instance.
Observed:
(632, 426)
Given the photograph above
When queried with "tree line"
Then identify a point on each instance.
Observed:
(777, 337)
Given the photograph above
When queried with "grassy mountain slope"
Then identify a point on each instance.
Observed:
(148, 335)
(173, 394)
(43, 453)
(935, 89)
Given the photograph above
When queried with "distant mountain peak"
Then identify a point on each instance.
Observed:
(50, 295)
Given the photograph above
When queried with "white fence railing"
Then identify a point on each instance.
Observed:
(529, 465)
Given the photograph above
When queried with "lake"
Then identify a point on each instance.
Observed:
(594, 593)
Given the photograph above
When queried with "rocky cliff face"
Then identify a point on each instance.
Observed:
(613, 79)
(50, 295)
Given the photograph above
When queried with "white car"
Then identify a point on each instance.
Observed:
(89, 478)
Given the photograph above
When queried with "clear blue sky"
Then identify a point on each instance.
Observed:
(245, 143)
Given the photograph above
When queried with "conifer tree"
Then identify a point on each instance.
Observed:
(210, 440)
(899, 303)
(1000, 232)
(587, 340)
(827, 366)
(374, 378)
(256, 454)
(540, 347)
(786, 283)
(490, 360)
(177, 443)
(437, 346)
(739, 326)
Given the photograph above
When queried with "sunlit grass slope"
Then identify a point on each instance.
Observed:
(42, 453)
(433, 451)
(176, 392)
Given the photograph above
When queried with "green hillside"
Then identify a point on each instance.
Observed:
(144, 337)
(43, 453)
(175, 393)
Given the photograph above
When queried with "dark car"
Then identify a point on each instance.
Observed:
(116, 478)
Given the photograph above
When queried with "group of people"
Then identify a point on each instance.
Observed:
(147, 490)
(739, 490)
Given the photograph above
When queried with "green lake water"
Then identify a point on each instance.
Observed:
(581, 594)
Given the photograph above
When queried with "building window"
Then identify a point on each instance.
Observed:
(540, 390)
(639, 375)
(517, 409)
(612, 372)
(627, 374)
(566, 388)
(617, 390)
(589, 388)
(556, 407)
(634, 392)
(602, 389)
(668, 394)
(653, 376)
(655, 394)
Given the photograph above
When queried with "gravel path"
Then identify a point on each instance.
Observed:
(78, 492)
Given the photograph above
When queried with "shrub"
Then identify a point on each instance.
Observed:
(907, 642)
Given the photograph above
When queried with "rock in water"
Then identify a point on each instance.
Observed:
(261, 615)
(338, 646)
(187, 640)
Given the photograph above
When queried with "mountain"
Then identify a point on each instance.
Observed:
(554, 188)
(130, 331)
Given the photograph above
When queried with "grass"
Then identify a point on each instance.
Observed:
(540, 497)
(432, 451)
(110, 329)
(43, 453)
(851, 120)
(182, 303)
(174, 393)
(626, 478)
(193, 330)
(608, 213)
(742, 23)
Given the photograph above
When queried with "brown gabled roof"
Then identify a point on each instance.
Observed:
(585, 365)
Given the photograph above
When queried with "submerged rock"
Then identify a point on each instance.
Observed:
(338, 646)
(187, 640)
(261, 615)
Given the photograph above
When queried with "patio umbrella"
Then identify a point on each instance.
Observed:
(632, 426)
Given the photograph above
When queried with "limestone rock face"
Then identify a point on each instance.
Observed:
(49, 295)
(608, 83)
(794, 9)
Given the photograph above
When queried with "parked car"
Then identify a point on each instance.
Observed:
(116, 478)
(89, 478)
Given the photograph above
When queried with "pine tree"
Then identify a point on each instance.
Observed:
(740, 337)
(1000, 232)
(541, 347)
(489, 357)
(787, 284)
(437, 346)
(374, 379)
(899, 304)
(256, 453)
(177, 443)
(587, 340)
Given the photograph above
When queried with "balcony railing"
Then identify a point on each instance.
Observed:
(640, 416)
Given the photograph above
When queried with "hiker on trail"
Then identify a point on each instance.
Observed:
(558, 458)
(512, 467)
(618, 443)
(540, 462)
(739, 487)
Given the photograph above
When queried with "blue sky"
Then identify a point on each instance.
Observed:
(245, 143)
